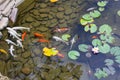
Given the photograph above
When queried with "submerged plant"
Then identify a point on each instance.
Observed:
(73, 54)
(109, 62)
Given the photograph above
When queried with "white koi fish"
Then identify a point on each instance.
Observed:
(59, 39)
(10, 42)
(19, 43)
(14, 35)
(12, 30)
(73, 40)
(90, 9)
(20, 28)
(11, 51)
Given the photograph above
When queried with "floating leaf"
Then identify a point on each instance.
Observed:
(95, 14)
(96, 42)
(104, 49)
(110, 39)
(112, 70)
(101, 9)
(102, 3)
(109, 62)
(73, 54)
(66, 37)
(83, 22)
(93, 28)
(115, 51)
(83, 47)
(118, 12)
(86, 28)
(117, 59)
(102, 37)
(107, 70)
(105, 28)
(87, 17)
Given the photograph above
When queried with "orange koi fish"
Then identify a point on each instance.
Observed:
(94, 37)
(23, 36)
(63, 29)
(60, 55)
(3, 51)
(53, 1)
(43, 40)
(38, 35)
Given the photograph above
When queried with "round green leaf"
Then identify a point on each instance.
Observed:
(95, 14)
(93, 28)
(102, 3)
(102, 37)
(104, 49)
(101, 9)
(115, 51)
(83, 22)
(86, 28)
(73, 54)
(66, 37)
(105, 28)
(83, 47)
(87, 17)
(96, 42)
(110, 39)
(118, 12)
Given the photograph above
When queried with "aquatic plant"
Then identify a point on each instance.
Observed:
(96, 42)
(86, 22)
(83, 47)
(73, 54)
(95, 14)
(66, 37)
(101, 9)
(105, 29)
(102, 3)
(115, 51)
(105, 48)
(118, 12)
(91, 27)
(100, 73)
(87, 17)
(110, 70)
(109, 62)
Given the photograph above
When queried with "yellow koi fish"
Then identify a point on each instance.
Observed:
(3, 51)
(53, 1)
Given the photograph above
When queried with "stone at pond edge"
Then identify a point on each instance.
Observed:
(26, 70)
(60, 15)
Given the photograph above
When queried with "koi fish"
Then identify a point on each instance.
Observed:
(23, 36)
(20, 28)
(60, 55)
(19, 43)
(59, 39)
(63, 29)
(73, 40)
(90, 9)
(10, 42)
(11, 51)
(38, 35)
(3, 51)
(53, 1)
(94, 37)
(43, 40)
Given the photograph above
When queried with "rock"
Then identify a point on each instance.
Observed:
(50, 17)
(22, 76)
(26, 54)
(35, 12)
(3, 22)
(68, 11)
(43, 15)
(43, 5)
(67, 18)
(29, 19)
(46, 10)
(65, 76)
(36, 24)
(73, 15)
(44, 75)
(62, 20)
(53, 20)
(61, 9)
(43, 28)
(2, 67)
(60, 15)
(26, 70)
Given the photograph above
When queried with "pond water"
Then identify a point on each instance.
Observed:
(32, 64)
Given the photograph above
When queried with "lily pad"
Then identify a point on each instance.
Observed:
(95, 14)
(93, 28)
(115, 51)
(101, 9)
(86, 28)
(83, 47)
(104, 49)
(118, 12)
(110, 39)
(105, 28)
(96, 42)
(102, 37)
(66, 37)
(85, 22)
(109, 62)
(102, 3)
(107, 70)
(73, 54)
(87, 17)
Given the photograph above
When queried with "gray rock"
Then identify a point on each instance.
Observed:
(61, 9)
(29, 19)
(43, 5)
(60, 15)
(68, 11)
